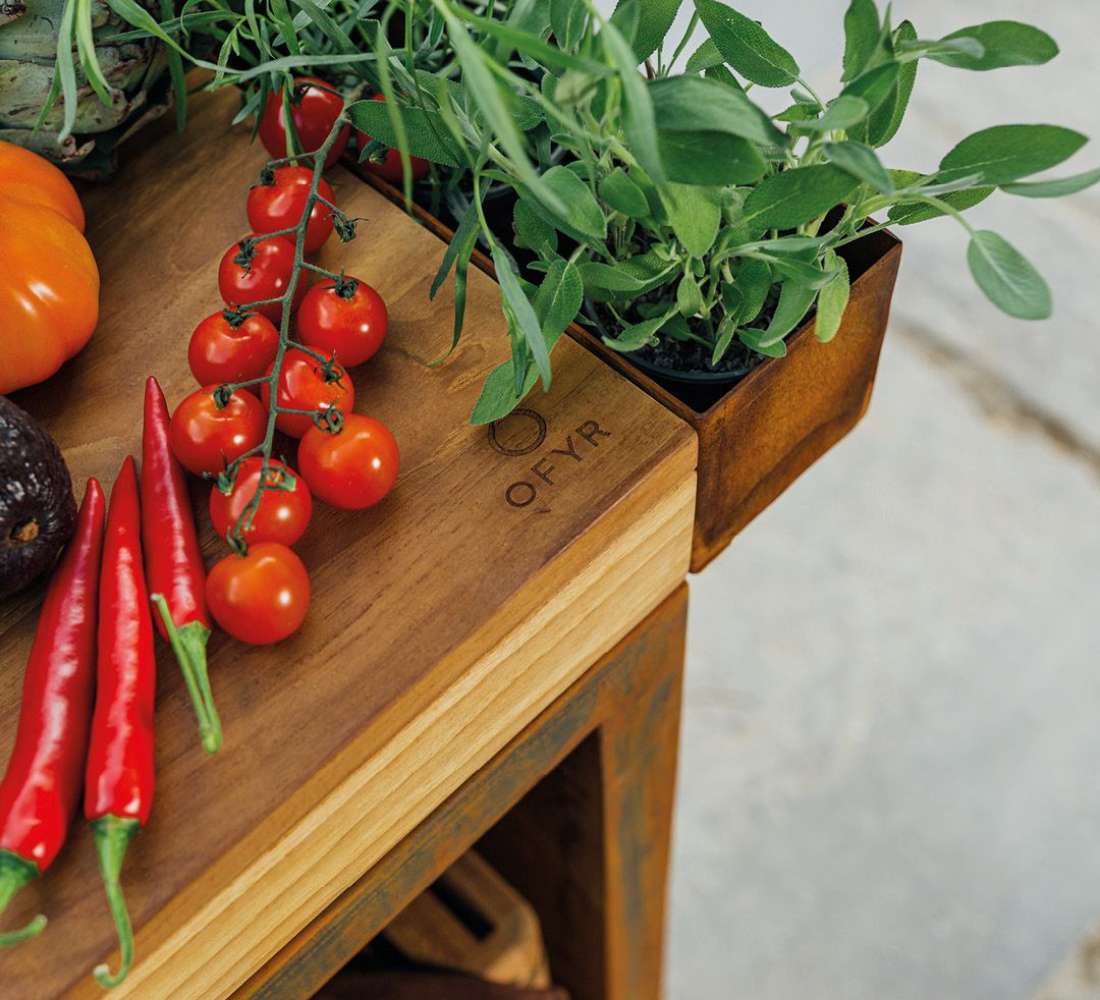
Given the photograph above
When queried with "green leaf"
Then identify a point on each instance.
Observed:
(753, 339)
(788, 199)
(833, 299)
(523, 312)
(633, 337)
(623, 195)
(567, 19)
(558, 299)
(875, 86)
(604, 277)
(689, 296)
(583, 218)
(727, 329)
(696, 104)
(844, 113)
(795, 301)
(1059, 188)
(554, 56)
(427, 133)
(912, 213)
(754, 281)
(655, 17)
(639, 122)
(1006, 153)
(747, 47)
(861, 37)
(694, 214)
(861, 162)
(1004, 43)
(1008, 278)
(498, 396)
(706, 56)
(887, 118)
(710, 159)
(533, 231)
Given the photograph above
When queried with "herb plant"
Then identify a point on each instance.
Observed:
(669, 207)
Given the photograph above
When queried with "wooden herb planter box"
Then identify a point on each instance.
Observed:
(443, 621)
(758, 436)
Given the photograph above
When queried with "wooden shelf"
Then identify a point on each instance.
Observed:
(442, 622)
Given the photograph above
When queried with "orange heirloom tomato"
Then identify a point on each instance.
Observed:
(49, 282)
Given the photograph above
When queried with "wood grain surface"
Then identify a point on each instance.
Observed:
(443, 621)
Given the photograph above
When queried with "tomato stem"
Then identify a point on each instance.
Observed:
(235, 535)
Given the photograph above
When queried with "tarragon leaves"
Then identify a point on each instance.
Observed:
(746, 46)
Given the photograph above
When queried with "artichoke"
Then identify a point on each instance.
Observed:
(134, 70)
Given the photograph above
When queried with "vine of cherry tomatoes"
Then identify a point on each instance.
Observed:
(259, 593)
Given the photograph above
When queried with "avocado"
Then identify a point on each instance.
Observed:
(37, 509)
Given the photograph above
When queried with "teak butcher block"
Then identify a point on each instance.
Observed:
(502, 565)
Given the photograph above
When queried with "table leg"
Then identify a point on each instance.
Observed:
(575, 812)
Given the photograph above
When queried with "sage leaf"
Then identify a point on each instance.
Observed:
(795, 301)
(526, 321)
(746, 46)
(727, 329)
(583, 216)
(842, 114)
(1004, 43)
(753, 338)
(639, 335)
(754, 280)
(706, 56)
(498, 395)
(886, 120)
(623, 195)
(861, 37)
(911, 213)
(532, 230)
(697, 104)
(790, 198)
(655, 18)
(558, 299)
(832, 300)
(694, 213)
(567, 21)
(1059, 188)
(710, 159)
(1005, 153)
(861, 162)
(639, 121)
(875, 86)
(426, 131)
(599, 277)
(1008, 278)
(689, 296)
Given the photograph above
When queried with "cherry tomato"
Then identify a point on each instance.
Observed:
(206, 437)
(353, 468)
(282, 515)
(228, 348)
(390, 169)
(261, 597)
(347, 316)
(279, 204)
(305, 385)
(314, 108)
(257, 269)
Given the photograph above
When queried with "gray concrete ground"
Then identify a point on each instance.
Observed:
(892, 722)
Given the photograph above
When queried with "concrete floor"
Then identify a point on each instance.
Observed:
(892, 727)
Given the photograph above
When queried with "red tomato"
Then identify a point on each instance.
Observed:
(257, 269)
(261, 597)
(390, 168)
(351, 469)
(206, 437)
(279, 204)
(282, 515)
(314, 108)
(304, 385)
(225, 348)
(348, 317)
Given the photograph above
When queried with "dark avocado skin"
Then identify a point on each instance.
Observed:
(37, 509)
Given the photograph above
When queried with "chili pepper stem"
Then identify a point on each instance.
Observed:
(16, 872)
(188, 642)
(112, 836)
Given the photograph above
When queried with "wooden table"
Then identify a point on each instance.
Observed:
(456, 650)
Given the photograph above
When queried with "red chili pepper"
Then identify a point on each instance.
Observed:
(173, 562)
(41, 788)
(118, 789)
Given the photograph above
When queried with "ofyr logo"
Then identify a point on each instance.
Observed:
(524, 432)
